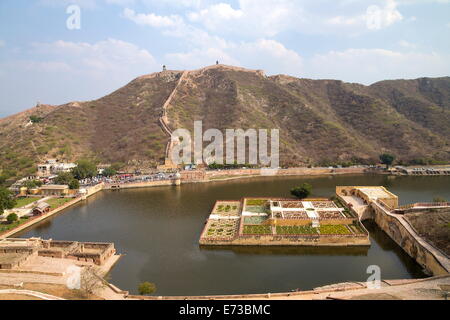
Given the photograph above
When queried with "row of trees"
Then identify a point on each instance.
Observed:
(85, 169)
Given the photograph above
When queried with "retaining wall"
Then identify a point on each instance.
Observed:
(415, 246)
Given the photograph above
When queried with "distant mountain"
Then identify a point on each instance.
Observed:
(320, 121)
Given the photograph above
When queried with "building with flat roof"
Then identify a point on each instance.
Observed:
(55, 190)
(370, 193)
(53, 167)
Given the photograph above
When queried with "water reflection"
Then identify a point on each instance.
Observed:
(288, 250)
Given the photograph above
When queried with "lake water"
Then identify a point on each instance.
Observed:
(158, 231)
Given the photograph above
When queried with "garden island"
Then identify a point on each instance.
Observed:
(280, 221)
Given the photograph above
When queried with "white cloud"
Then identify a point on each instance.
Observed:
(86, 4)
(252, 17)
(274, 56)
(121, 2)
(371, 65)
(199, 58)
(64, 71)
(375, 17)
(152, 19)
(106, 56)
(176, 3)
(214, 16)
(406, 44)
(382, 17)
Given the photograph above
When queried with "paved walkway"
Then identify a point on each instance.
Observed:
(39, 295)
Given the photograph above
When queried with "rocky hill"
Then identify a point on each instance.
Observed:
(320, 121)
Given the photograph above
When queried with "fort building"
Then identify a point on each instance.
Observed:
(14, 253)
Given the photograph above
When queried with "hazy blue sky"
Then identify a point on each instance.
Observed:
(43, 58)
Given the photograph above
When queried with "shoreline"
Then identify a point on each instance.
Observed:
(307, 172)
(117, 290)
(32, 221)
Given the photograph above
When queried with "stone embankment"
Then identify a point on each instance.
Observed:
(137, 185)
(414, 289)
(223, 175)
(32, 221)
(433, 260)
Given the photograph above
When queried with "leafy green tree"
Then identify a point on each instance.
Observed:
(74, 184)
(85, 169)
(7, 201)
(64, 178)
(67, 178)
(146, 288)
(108, 172)
(12, 217)
(35, 119)
(387, 159)
(439, 199)
(302, 191)
(32, 184)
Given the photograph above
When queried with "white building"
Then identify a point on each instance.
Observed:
(52, 167)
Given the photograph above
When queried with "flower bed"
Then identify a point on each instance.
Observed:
(256, 209)
(221, 229)
(295, 215)
(254, 220)
(330, 215)
(291, 204)
(257, 230)
(323, 204)
(296, 230)
(334, 229)
(255, 202)
(226, 208)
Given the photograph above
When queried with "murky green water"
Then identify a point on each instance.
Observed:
(158, 229)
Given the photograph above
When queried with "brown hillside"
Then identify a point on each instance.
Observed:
(320, 121)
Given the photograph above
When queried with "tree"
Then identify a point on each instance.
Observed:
(74, 184)
(387, 159)
(67, 178)
(7, 201)
(32, 184)
(302, 191)
(146, 288)
(90, 280)
(85, 169)
(108, 172)
(35, 119)
(64, 178)
(12, 217)
(439, 199)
